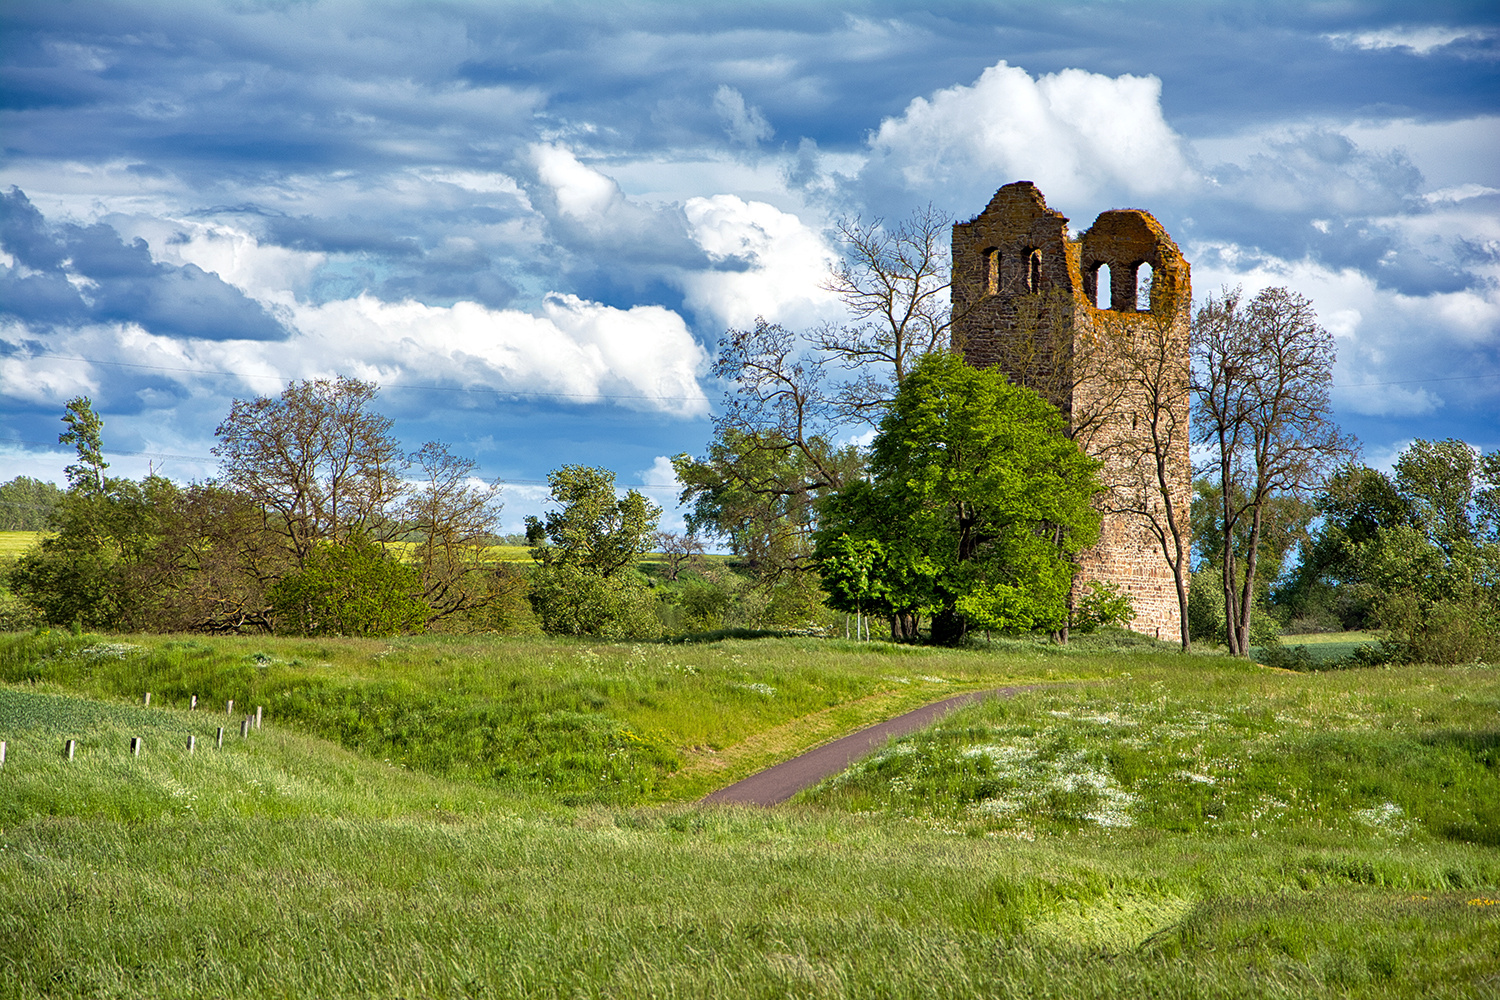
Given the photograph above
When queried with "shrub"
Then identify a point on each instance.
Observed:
(350, 588)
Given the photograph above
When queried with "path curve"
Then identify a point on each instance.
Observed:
(781, 782)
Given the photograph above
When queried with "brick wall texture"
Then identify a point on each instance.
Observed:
(1026, 298)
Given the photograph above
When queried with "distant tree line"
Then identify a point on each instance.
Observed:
(26, 504)
(319, 524)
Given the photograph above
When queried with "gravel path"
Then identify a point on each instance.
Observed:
(779, 783)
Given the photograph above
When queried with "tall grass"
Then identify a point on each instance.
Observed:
(1385, 755)
(288, 865)
(587, 722)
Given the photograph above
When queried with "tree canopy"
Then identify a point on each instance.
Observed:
(976, 504)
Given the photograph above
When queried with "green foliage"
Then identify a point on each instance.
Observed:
(1284, 523)
(350, 588)
(978, 503)
(84, 433)
(758, 489)
(1438, 605)
(1416, 553)
(27, 504)
(583, 583)
(15, 614)
(1206, 613)
(573, 600)
(593, 529)
(90, 570)
(1330, 588)
(1437, 481)
(1102, 604)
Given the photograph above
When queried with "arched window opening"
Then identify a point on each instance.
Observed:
(1034, 271)
(992, 272)
(1101, 287)
(1144, 275)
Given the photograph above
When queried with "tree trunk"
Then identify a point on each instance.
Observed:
(948, 628)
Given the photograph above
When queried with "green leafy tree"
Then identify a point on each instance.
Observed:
(584, 582)
(978, 500)
(85, 430)
(1440, 482)
(849, 568)
(1438, 604)
(758, 491)
(88, 573)
(350, 587)
(26, 504)
(1331, 585)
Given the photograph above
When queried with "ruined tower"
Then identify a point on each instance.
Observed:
(1028, 299)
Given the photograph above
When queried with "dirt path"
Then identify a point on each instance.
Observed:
(779, 783)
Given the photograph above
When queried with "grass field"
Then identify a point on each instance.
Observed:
(13, 543)
(1326, 648)
(1143, 824)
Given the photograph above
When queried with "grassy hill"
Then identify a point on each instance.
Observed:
(1143, 824)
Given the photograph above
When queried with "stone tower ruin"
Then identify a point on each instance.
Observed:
(1028, 299)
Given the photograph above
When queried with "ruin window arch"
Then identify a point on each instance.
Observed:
(992, 272)
(1144, 276)
(1033, 270)
(1101, 290)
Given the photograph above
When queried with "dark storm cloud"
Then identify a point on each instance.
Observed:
(114, 281)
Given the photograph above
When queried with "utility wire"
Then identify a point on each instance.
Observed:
(481, 390)
(202, 458)
(591, 395)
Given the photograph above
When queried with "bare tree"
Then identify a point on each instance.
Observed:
(681, 551)
(776, 389)
(1145, 449)
(1262, 371)
(317, 459)
(894, 282)
(453, 515)
(774, 452)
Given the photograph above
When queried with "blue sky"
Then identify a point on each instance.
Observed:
(531, 223)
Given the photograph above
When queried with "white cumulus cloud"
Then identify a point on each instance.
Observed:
(582, 192)
(1074, 133)
(784, 263)
(643, 357)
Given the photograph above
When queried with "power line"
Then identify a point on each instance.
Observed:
(589, 395)
(1415, 381)
(117, 452)
(383, 385)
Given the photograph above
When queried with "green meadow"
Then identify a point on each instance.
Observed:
(13, 543)
(466, 816)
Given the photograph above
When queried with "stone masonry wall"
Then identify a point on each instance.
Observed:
(1024, 297)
